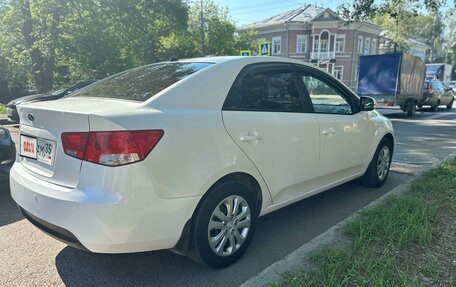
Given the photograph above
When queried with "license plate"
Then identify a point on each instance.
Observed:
(39, 149)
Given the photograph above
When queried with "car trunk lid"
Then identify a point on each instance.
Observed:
(42, 125)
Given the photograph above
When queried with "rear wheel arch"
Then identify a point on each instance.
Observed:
(183, 245)
(239, 177)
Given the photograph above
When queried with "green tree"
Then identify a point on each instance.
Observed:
(218, 29)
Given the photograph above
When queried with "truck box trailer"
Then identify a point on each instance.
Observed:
(392, 80)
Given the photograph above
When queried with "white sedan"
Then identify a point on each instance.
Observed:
(186, 155)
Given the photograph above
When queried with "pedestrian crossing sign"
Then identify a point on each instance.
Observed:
(246, 53)
(264, 48)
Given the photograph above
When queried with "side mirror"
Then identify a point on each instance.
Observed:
(367, 104)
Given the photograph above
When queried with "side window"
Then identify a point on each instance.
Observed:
(272, 91)
(326, 99)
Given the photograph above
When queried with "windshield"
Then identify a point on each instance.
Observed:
(142, 83)
(432, 68)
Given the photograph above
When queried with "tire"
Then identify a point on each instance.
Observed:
(373, 177)
(231, 241)
(411, 111)
(435, 107)
(450, 105)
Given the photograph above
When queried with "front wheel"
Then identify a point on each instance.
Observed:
(450, 105)
(223, 225)
(378, 169)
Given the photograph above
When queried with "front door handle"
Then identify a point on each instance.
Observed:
(328, 132)
(250, 137)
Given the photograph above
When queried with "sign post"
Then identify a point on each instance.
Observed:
(264, 48)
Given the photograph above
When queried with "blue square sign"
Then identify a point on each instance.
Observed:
(264, 48)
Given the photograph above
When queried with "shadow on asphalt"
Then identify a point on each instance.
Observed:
(9, 213)
(421, 114)
(277, 235)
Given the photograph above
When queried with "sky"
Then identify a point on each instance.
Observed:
(245, 12)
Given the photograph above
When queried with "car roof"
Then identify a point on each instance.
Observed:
(244, 59)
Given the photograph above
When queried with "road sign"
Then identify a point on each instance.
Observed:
(264, 48)
(246, 53)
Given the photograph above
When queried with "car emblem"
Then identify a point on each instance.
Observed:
(31, 117)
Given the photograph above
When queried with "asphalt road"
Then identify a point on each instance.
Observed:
(30, 258)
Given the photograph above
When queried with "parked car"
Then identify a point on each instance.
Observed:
(185, 155)
(55, 94)
(7, 150)
(452, 85)
(437, 94)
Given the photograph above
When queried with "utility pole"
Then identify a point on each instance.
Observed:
(202, 30)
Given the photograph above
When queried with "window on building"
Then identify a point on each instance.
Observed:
(315, 45)
(340, 44)
(368, 46)
(276, 45)
(360, 44)
(324, 46)
(338, 72)
(301, 44)
(374, 46)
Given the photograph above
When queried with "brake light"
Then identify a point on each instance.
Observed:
(112, 148)
(430, 90)
(74, 144)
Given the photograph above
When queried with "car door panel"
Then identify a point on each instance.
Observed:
(344, 149)
(286, 149)
(264, 115)
(345, 132)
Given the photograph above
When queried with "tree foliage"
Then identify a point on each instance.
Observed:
(421, 20)
(44, 43)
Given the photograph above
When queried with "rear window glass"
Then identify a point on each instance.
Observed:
(142, 83)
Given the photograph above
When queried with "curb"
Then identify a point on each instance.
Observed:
(297, 259)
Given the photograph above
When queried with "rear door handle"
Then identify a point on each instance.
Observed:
(250, 138)
(328, 132)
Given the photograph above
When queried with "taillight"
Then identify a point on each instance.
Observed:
(74, 144)
(111, 148)
(430, 90)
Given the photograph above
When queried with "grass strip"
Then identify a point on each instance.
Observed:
(406, 241)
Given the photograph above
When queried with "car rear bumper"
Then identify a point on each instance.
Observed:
(110, 216)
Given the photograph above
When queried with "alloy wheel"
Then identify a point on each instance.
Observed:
(383, 162)
(229, 225)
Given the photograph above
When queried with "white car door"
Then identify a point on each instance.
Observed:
(345, 132)
(265, 116)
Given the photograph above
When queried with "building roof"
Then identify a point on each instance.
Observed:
(303, 14)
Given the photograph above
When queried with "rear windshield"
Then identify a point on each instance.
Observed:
(142, 83)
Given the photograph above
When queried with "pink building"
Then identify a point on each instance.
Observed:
(317, 35)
